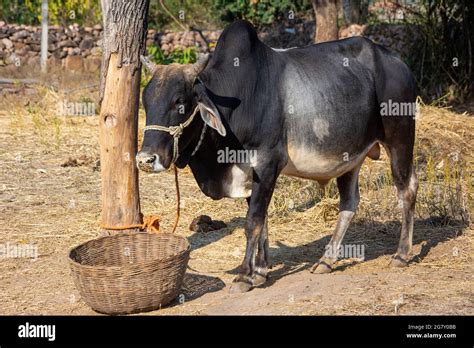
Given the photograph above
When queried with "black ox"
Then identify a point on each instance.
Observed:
(312, 112)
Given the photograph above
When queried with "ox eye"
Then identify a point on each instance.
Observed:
(178, 101)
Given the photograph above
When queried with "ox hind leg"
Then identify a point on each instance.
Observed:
(348, 185)
(396, 86)
(406, 182)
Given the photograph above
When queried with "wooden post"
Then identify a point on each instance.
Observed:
(123, 42)
(44, 36)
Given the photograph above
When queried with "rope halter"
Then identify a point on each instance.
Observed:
(176, 132)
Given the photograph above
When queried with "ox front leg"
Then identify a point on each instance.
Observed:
(254, 268)
(262, 263)
(348, 185)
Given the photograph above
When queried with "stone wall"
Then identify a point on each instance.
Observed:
(169, 41)
(78, 48)
(73, 47)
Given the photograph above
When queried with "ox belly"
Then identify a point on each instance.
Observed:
(308, 163)
(302, 163)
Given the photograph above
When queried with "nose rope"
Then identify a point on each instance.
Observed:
(176, 131)
(201, 138)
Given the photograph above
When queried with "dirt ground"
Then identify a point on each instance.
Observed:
(50, 198)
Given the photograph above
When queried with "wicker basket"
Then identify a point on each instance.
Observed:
(130, 273)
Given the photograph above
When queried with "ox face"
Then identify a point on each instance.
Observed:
(170, 100)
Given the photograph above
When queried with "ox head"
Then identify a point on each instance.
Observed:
(171, 101)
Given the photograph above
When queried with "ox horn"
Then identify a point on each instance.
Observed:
(201, 63)
(148, 64)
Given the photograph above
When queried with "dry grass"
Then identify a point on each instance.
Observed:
(55, 208)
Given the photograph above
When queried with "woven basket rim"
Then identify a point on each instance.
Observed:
(134, 265)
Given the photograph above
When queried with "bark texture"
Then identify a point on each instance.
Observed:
(326, 20)
(123, 42)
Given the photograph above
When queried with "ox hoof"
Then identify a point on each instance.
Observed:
(259, 279)
(398, 262)
(239, 287)
(321, 267)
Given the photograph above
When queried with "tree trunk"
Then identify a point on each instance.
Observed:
(104, 6)
(364, 11)
(352, 11)
(326, 20)
(125, 27)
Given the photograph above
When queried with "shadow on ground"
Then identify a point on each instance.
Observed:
(379, 239)
(196, 285)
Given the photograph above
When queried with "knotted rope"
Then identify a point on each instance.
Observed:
(174, 131)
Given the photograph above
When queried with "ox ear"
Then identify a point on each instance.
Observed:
(209, 113)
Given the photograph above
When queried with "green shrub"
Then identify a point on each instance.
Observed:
(442, 61)
(194, 12)
(18, 12)
(257, 12)
(206, 14)
(181, 56)
(443, 67)
(61, 12)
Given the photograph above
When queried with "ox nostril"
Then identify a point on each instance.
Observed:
(149, 162)
(150, 159)
(145, 158)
